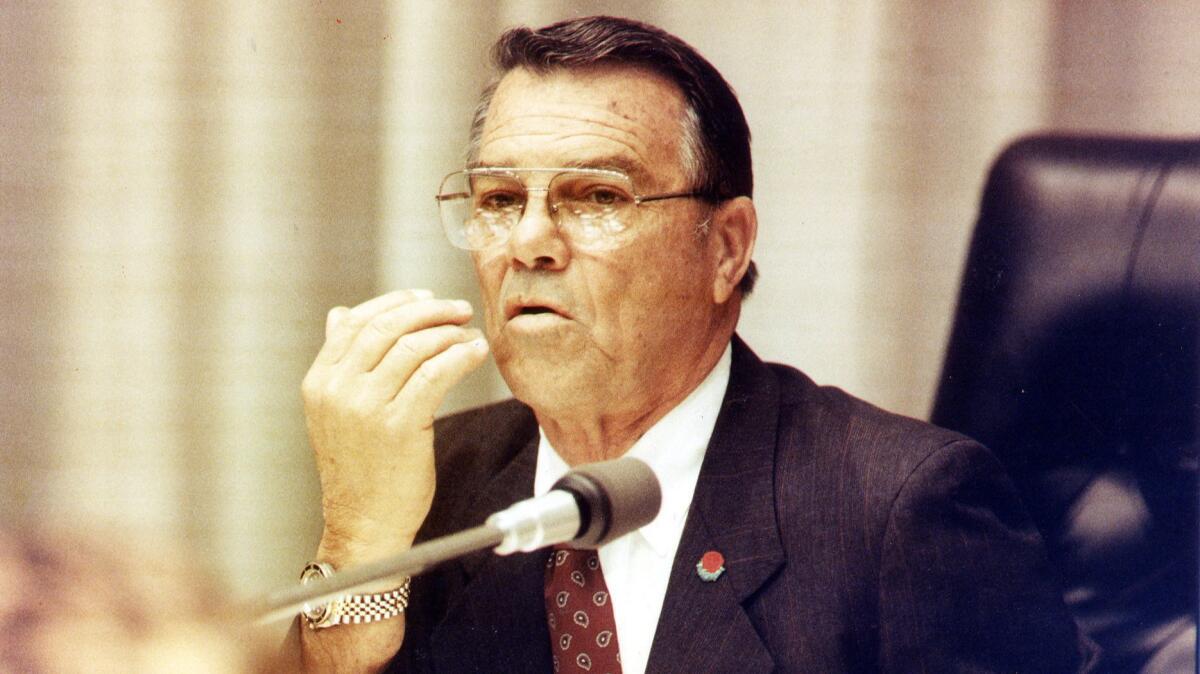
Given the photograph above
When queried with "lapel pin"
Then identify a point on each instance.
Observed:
(711, 566)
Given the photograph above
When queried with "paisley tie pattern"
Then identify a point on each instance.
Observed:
(583, 632)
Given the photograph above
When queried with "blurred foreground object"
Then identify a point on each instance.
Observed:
(71, 603)
(1075, 356)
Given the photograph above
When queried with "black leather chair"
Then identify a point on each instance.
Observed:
(1075, 356)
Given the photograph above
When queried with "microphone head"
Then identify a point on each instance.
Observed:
(614, 497)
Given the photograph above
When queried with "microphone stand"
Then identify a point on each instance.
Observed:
(525, 526)
(288, 602)
(589, 505)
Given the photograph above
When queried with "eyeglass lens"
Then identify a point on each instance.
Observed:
(480, 209)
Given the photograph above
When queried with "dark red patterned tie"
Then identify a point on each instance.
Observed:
(583, 632)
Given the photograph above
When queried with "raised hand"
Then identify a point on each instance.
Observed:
(369, 400)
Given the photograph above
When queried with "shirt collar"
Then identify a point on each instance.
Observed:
(673, 448)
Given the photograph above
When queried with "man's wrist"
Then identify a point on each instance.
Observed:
(366, 544)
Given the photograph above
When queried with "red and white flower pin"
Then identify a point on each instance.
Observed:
(711, 566)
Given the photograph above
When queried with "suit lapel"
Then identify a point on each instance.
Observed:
(703, 626)
(498, 622)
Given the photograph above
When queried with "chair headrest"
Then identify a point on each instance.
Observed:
(1077, 327)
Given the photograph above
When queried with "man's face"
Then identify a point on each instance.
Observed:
(627, 326)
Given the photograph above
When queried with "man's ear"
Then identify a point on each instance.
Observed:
(734, 229)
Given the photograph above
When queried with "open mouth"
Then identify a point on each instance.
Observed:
(532, 306)
(535, 318)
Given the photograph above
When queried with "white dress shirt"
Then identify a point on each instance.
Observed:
(637, 566)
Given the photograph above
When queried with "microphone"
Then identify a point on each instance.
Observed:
(589, 506)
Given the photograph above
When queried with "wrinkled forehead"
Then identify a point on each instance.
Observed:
(631, 117)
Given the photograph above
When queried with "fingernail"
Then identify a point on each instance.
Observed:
(421, 293)
(479, 344)
(462, 305)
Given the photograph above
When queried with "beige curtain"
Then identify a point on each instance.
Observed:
(186, 188)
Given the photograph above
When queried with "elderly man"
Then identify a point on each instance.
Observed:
(607, 209)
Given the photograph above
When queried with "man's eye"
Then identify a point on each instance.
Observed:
(496, 201)
(605, 196)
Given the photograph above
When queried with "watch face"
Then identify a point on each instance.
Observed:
(315, 614)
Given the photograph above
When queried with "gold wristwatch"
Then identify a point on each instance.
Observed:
(352, 608)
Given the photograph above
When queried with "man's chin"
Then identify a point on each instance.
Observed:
(549, 376)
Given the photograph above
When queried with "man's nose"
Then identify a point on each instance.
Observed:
(535, 241)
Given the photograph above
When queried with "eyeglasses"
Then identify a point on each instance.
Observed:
(593, 208)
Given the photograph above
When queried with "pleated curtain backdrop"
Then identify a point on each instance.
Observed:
(186, 188)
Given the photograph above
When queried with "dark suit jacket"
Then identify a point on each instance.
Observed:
(855, 541)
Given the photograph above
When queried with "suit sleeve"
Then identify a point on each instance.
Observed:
(965, 585)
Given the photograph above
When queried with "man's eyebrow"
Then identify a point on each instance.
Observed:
(611, 163)
(635, 170)
(624, 164)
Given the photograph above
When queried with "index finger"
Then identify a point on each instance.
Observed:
(338, 341)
